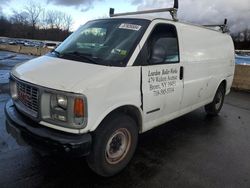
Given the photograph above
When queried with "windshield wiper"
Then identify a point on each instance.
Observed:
(78, 54)
(56, 52)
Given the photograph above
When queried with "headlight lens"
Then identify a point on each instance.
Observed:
(58, 107)
(62, 101)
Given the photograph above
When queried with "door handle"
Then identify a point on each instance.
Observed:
(181, 72)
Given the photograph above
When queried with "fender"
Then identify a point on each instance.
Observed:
(219, 83)
(108, 111)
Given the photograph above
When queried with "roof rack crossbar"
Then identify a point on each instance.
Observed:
(223, 27)
(172, 11)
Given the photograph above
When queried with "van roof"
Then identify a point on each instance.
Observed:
(151, 18)
(173, 11)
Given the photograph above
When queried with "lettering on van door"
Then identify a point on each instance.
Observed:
(162, 82)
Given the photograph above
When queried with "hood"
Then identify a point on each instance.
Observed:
(61, 74)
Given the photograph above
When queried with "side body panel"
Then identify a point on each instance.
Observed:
(208, 60)
(161, 88)
(162, 92)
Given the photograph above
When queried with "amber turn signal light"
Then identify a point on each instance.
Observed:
(79, 107)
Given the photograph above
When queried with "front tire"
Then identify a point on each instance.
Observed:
(215, 106)
(114, 143)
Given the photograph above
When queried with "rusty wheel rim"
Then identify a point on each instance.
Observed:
(118, 146)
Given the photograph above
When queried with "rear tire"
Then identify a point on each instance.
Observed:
(215, 106)
(114, 143)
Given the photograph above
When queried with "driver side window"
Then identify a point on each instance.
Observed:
(161, 47)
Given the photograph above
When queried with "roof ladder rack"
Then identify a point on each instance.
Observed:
(172, 11)
(223, 27)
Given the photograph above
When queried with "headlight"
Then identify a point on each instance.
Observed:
(64, 109)
(62, 101)
(58, 107)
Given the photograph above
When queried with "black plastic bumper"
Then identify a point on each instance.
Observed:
(26, 131)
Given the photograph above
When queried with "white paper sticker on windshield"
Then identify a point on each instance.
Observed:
(130, 26)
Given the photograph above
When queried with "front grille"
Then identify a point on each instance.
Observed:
(29, 97)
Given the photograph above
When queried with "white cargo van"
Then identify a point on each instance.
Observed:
(115, 78)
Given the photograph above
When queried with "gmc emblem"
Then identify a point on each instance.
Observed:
(23, 96)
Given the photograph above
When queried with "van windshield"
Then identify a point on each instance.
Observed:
(108, 42)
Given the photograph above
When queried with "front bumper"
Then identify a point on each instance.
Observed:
(26, 131)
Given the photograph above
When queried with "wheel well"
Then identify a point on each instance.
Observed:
(224, 83)
(130, 110)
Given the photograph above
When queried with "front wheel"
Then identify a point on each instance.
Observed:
(114, 144)
(215, 106)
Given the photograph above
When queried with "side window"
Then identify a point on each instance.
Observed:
(165, 50)
(161, 47)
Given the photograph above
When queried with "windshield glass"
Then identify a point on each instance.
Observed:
(107, 42)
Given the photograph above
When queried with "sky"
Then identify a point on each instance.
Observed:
(196, 11)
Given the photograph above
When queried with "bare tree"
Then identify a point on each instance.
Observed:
(34, 10)
(59, 16)
(50, 19)
(246, 35)
(19, 17)
(67, 22)
(58, 20)
(54, 19)
(42, 21)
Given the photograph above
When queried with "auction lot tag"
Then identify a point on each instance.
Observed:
(130, 26)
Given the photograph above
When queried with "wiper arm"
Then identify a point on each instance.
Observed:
(56, 52)
(78, 54)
